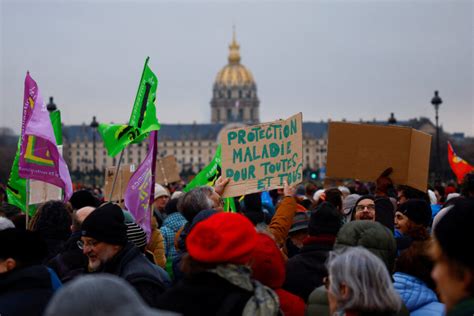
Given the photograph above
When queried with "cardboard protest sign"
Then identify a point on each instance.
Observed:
(42, 191)
(123, 177)
(261, 157)
(364, 151)
(167, 170)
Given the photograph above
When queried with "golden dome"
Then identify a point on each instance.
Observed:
(234, 74)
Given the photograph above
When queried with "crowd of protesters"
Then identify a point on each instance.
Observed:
(359, 249)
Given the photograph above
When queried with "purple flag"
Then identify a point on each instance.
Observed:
(139, 195)
(39, 155)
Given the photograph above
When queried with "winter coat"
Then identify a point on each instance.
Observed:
(156, 244)
(212, 293)
(148, 279)
(465, 307)
(418, 298)
(372, 236)
(70, 261)
(282, 220)
(25, 291)
(171, 225)
(306, 270)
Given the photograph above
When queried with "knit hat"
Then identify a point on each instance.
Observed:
(417, 210)
(454, 231)
(348, 203)
(300, 222)
(222, 238)
(82, 198)
(160, 191)
(106, 224)
(324, 220)
(136, 234)
(268, 265)
(24, 246)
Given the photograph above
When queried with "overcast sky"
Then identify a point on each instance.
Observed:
(327, 59)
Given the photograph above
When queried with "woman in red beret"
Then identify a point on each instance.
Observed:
(218, 278)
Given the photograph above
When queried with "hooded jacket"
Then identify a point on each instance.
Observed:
(25, 291)
(374, 237)
(418, 298)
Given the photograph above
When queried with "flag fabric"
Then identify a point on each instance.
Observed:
(39, 155)
(459, 166)
(139, 195)
(16, 187)
(142, 120)
(55, 117)
(209, 176)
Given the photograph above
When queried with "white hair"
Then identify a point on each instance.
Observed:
(369, 284)
(5, 223)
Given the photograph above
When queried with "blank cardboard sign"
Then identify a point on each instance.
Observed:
(364, 151)
(167, 170)
(260, 157)
(123, 177)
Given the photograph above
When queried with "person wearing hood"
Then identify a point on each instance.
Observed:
(371, 235)
(25, 285)
(92, 296)
(268, 267)
(306, 270)
(217, 274)
(453, 270)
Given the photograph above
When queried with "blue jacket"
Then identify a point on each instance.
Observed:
(418, 298)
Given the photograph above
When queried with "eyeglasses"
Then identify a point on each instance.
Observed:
(90, 244)
(326, 282)
(360, 208)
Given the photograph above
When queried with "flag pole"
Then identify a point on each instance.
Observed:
(27, 203)
(116, 174)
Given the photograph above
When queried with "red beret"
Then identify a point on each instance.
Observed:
(222, 238)
(268, 265)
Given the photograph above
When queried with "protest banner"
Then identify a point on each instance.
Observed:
(364, 151)
(123, 177)
(167, 170)
(261, 157)
(42, 191)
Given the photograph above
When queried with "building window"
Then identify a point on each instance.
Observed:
(229, 94)
(229, 114)
(240, 94)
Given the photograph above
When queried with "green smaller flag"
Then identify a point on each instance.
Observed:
(55, 118)
(209, 176)
(142, 119)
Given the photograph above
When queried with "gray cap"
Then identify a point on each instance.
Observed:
(99, 295)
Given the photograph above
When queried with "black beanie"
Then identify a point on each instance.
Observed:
(325, 219)
(25, 246)
(417, 210)
(106, 224)
(82, 198)
(454, 232)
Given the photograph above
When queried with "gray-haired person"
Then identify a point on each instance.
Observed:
(359, 283)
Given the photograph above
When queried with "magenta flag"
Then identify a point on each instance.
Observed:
(139, 195)
(39, 155)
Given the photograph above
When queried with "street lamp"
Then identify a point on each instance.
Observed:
(94, 125)
(51, 105)
(436, 101)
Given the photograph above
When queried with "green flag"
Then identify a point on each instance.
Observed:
(16, 187)
(55, 118)
(209, 176)
(142, 120)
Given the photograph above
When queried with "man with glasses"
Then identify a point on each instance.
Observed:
(104, 242)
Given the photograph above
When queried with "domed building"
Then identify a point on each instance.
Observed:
(234, 96)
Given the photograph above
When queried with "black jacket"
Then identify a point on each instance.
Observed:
(25, 291)
(306, 270)
(204, 294)
(70, 261)
(148, 279)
